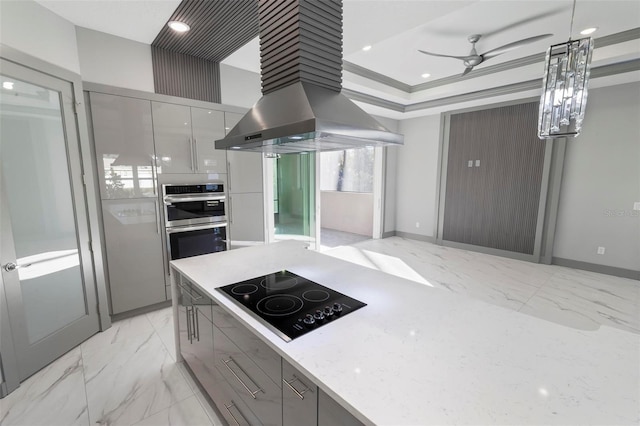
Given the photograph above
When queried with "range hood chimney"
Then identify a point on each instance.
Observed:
(302, 108)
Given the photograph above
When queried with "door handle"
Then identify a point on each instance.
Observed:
(193, 169)
(10, 267)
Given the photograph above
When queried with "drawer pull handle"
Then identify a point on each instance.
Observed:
(252, 393)
(228, 408)
(189, 293)
(300, 394)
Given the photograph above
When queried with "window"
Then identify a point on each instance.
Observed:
(347, 171)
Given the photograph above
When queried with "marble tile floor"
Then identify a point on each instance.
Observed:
(330, 238)
(570, 297)
(127, 375)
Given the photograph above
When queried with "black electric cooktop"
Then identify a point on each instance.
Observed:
(290, 305)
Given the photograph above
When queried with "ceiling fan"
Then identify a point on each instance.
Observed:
(473, 58)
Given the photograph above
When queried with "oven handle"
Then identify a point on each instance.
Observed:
(196, 227)
(170, 199)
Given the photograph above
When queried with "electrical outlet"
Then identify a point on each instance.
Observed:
(636, 205)
(470, 163)
(600, 250)
(477, 163)
(417, 224)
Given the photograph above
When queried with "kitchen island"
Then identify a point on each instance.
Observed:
(416, 355)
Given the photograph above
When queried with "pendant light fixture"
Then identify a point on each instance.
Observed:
(564, 89)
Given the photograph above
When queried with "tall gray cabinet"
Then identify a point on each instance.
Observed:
(246, 193)
(123, 138)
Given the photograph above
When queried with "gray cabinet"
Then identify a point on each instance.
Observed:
(173, 139)
(196, 333)
(185, 139)
(246, 217)
(260, 394)
(134, 253)
(208, 126)
(123, 139)
(245, 171)
(330, 413)
(299, 398)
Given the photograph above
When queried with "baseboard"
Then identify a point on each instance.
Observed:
(139, 311)
(594, 267)
(388, 234)
(417, 237)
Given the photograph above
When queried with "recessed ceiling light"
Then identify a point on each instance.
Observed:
(425, 75)
(8, 85)
(367, 48)
(178, 26)
(588, 31)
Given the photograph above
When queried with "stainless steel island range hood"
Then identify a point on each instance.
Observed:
(302, 108)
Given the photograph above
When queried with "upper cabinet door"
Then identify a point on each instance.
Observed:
(123, 137)
(172, 133)
(230, 120)
(208, 126)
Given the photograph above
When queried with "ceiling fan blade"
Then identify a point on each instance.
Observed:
(516, 44)
(527, 20)
(466, 71)
(462, 58)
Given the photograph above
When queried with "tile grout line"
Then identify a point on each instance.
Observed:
(537, 290)
(84, 383)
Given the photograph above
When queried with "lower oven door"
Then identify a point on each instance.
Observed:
(187, 241)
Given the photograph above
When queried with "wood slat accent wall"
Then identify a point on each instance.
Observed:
(186, 76)
(496, 204)
(300, 40)
(218, 28)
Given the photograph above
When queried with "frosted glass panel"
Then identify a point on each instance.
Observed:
(33, 157)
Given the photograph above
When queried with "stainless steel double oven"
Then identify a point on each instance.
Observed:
(195, 219)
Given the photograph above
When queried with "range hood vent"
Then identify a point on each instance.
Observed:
(302, 108)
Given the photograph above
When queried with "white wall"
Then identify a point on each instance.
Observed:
(417, 176)
(390, 177)
(601, 182)
(115, 61)
(36, 31)
(347, 211)
(239, 87)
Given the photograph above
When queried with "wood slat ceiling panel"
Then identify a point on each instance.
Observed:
(218, 28)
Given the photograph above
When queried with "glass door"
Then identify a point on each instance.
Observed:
(294, 195)
(45, 253)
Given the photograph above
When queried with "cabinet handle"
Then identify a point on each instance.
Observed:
(298, 393)
(195, 153)
(228, 408)
(229, 176)
(188, 292)
(197, 324)
(193, 169)
(157, 211)
(188, 323)
(153, 175)
(230, 210)
(253, 394)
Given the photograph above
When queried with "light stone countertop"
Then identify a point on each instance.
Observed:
(417, 355)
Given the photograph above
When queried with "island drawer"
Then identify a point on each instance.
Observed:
(255, 388)
(192, 295)
(230, 405)
(259, 352)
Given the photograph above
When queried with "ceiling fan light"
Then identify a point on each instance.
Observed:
(588, 31)
(178, 26)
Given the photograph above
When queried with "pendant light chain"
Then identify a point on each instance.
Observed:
(573, 12)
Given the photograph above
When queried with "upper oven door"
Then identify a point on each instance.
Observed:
(194, 209)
